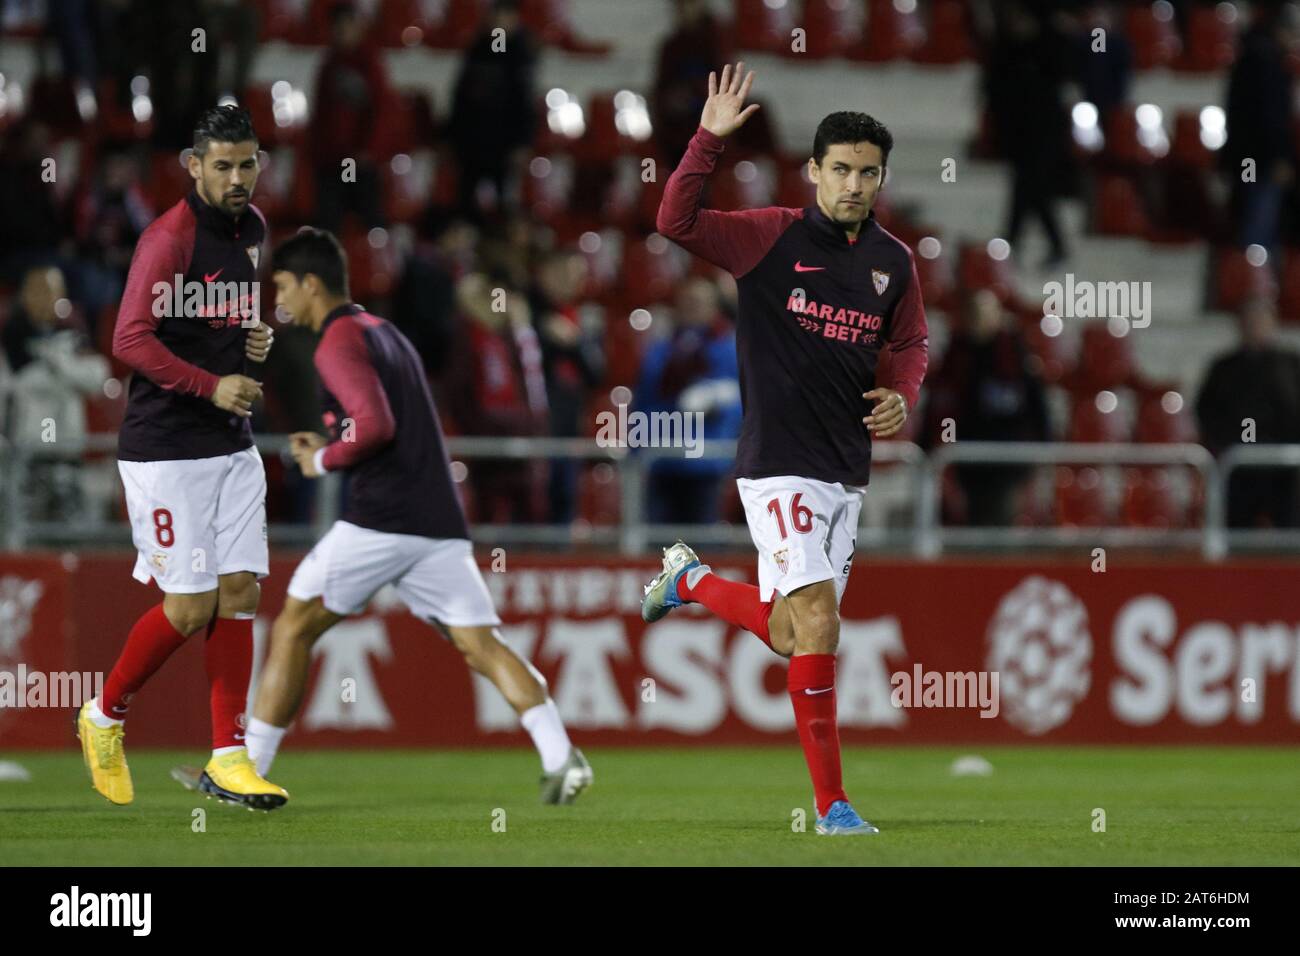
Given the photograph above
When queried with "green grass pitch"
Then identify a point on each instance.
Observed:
(1167, 806)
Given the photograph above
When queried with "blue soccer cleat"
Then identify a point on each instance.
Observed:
(842, 820)
(661, 593)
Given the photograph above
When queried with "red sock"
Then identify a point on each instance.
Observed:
(228, 655)
(733, 601)
(152, 640)
(815, 716)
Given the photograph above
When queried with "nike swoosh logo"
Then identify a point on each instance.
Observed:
(209, 278)
(799, 267)
(825, 690)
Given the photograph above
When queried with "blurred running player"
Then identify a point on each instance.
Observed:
(829, 307)
(402, 524)
(194, 483)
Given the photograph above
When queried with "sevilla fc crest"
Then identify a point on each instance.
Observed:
(878, 279)
(782, 560)
(252, 254)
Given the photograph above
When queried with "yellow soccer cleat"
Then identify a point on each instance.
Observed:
(105, 759)
(233, 778)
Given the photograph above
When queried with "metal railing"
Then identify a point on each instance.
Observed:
(923, 535)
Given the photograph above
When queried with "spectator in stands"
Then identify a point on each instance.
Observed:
(496, 385)
(692, 371)
(424, 303)
(1253, 394)
(493, 112)
(573, 359)
(1105, 75)
(1259, 111)
(53, 371)
(35, 223)
(348, 114)
(988, 387)
(686, 56)
(111, 212)
(1024, 76)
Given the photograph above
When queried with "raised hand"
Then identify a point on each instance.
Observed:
(725, 110)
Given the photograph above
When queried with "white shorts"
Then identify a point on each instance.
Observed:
(435, 577)
(194, 519)
(805, 531)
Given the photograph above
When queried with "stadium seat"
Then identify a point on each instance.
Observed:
(948, 39)
(280, 19)
(1289, 300)
(1187, 148)
(1048, 350)
(651, 270)
(1089, 424)
(1151, 29)
(888, 34)
(1105, 361)
(599, 495)
(1237, 280)
(1161, 421)
(550, 21)
(459, 25)
(408, 182)
(401, 23)
(1081, 500)
(168, 180)
(1119, 210)
(1124, 149)
(1151, 501)
(760, 27)
(1211, 39)
(827, 32)
(372, 271)
(977, 269)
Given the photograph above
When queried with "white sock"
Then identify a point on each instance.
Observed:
(222, 751)
(98, 719)
(263, 741)
(549, 736)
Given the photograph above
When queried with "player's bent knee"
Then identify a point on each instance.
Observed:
(190, 613)
(238, 594)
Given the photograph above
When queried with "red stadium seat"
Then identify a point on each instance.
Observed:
(372, 271)
(977, 269)
(1048, 350)
(1187, 148)
(1211, 39)
(1119, 210)
(1124, 148)
(1105, 360)
(551, 23)
(948, 39)
(401, 23)
(459, 25)
(760, 27)
(1081, 500)
(1154, 35)
(408, 183)
(1089, 424)
(827, 31)
(1163, 420)
(651, 271)
(599, 497)
(889, 34)
(1289, 300)
(1237, 280)
(168, 180)
(1150, 500)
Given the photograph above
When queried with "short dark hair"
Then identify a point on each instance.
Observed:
(314, 251)
(223, 124)
(848, 127)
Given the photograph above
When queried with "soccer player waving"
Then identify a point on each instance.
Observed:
(829, 308)
(195, 488)
(402, 525)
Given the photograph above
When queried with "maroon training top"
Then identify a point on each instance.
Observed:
(815, 311)
(384, 429)
(179, 357)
